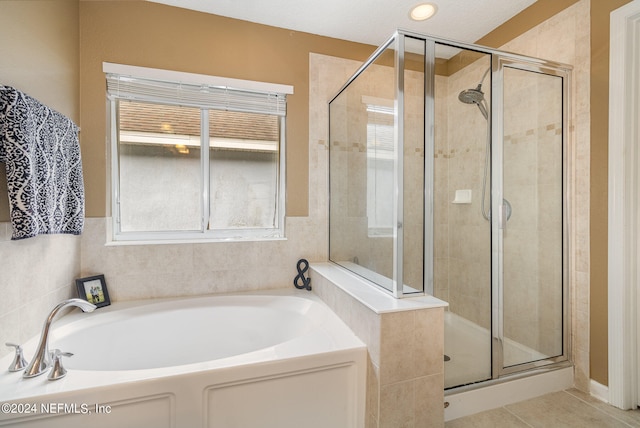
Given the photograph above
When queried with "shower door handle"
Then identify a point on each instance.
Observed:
(504, 214)
(502, 217)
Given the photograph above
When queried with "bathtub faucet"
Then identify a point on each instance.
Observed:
(42, 360)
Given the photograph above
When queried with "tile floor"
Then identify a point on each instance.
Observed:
(570, 408)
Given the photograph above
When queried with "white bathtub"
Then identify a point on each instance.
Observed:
(281, 359)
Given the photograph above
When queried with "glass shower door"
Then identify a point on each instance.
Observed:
(529, 220)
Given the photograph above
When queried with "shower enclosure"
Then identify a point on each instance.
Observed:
(447, 172)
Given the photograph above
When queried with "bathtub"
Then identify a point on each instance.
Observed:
(279, 359)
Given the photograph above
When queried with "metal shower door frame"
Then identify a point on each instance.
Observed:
(499, 62)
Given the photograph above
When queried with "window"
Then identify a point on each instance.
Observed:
(195, 157)
(380, 166)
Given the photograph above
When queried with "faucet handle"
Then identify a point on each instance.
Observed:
(19, 363)
(58, 371)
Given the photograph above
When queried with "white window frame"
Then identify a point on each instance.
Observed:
(115, 235)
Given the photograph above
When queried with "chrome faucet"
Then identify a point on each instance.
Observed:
(42, 360)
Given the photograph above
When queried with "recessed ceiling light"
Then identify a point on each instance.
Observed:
(422, 11)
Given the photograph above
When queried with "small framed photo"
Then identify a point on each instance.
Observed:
(94, 290)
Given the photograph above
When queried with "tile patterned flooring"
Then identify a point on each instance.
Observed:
(570, 409)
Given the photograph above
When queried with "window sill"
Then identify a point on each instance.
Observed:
(184, 238)
(116, 243)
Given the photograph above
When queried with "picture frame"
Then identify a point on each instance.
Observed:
(93, 289)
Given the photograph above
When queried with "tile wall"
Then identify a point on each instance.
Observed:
(36, 274)
(405, 372)
(532, 183)
(174, 270)
(462, 245)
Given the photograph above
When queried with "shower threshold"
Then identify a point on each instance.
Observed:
(468, 347)
(479, 397)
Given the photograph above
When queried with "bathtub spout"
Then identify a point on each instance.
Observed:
(42, 360)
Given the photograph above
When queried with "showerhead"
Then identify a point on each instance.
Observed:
(472, 96)
(475, 96)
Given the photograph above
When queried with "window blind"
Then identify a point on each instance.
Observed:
(202, 95)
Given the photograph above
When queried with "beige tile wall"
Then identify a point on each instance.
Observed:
(405, 373)
(533, 179)
(172, 270)
(349, 227)
(462, 235)
(36, 274)
(533, 185)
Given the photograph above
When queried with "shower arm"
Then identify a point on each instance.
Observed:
(484, 77)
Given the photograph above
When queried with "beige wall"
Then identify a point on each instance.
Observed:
(39, 51)
(153, 35)
(599, 104)
(462, 263)
(41, 59)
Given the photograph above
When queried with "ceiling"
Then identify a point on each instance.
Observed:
(366, 21)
